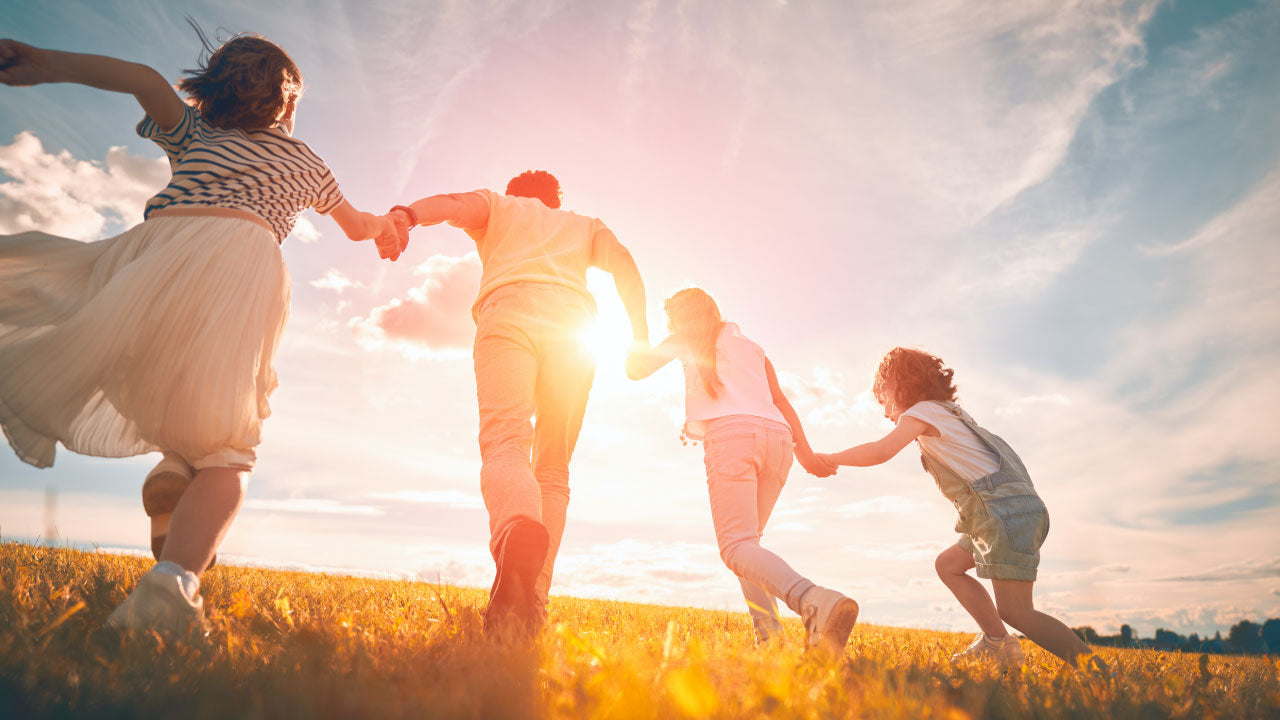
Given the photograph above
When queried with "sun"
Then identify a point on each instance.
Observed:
(610, 335)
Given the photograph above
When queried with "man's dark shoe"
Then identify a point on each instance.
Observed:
(513, 603)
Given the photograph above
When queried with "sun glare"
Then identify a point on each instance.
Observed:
(610, 334)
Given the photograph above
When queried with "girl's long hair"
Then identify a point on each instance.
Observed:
(694, 317)
(244, 84)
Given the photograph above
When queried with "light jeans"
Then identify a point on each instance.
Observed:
(530, 360)
(747, 461)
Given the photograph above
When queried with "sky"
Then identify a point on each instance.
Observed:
(1073, 204)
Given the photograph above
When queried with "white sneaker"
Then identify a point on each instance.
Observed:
(1006, 652)
(828, 619)
(158, 603)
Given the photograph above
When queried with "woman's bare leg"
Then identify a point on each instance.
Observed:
(203, 516)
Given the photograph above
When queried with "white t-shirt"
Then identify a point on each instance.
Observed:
(959, 448)
(526, 241)
(745, 390)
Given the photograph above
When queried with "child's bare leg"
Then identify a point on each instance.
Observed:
(953, 566)
(203, 515)
(1013, 598)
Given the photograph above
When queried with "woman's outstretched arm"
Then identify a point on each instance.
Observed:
(22, 64)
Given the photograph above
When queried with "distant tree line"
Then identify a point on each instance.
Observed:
(1243, 637)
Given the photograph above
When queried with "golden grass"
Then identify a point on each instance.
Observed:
(303, 645)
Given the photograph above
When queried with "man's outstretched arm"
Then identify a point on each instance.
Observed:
(612, 257)
(469, 211)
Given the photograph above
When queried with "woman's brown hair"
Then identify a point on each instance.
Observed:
(245, 84)
(695, 318)
(916, 376)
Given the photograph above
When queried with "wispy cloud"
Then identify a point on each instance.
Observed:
(1232, 572)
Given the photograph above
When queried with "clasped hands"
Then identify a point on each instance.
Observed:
(817, 464)
(392, 235)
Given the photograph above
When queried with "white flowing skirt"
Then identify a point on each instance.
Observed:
(161, 338)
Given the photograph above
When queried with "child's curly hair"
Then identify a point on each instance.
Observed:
(245, 84)
(538, 184)
(916, 376)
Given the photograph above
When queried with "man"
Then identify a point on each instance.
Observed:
(530, 360)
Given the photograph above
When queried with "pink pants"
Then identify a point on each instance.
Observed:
(747, 461)
(530, 360)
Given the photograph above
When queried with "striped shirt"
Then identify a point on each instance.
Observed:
(265, 172)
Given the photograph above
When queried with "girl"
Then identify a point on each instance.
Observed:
(733, 403)
(163, 337)
(1002, 520)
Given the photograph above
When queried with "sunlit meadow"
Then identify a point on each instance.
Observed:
(288, 644)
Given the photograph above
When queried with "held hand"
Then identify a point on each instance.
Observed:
(815, 465)
(22, 65)
(828, 460)
(635, 351)
(402, 223)
(391, 239)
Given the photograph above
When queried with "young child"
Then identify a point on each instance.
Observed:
(1002, 520)
(734, 405)
(163, 337)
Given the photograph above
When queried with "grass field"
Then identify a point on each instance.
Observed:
(302, 645)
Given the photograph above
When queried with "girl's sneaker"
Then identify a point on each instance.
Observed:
(159, 603)
(828, 619)
(1006, 652)
(161, 491)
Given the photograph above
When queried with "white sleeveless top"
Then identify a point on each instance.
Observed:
(745, 389)
(958, 448)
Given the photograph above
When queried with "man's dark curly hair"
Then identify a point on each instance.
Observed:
(245, 84)
(536, 184)
(916, 376)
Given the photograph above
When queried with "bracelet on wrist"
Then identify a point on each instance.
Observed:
(408, 211)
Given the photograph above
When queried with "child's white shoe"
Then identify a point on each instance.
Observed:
(1006, 652)
(828, 619)
(159, 603)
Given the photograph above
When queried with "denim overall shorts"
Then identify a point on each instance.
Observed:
(1002, 521)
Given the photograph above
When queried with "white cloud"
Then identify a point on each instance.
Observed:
(62, 195)
(435, 316)
(335, 280)
(823, 386)
(305, 231)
